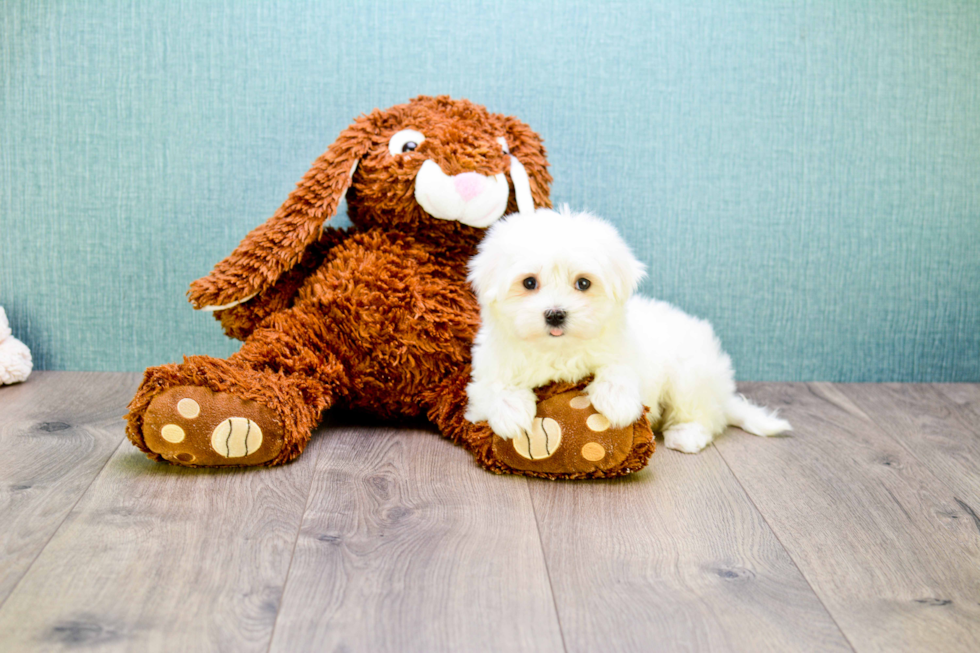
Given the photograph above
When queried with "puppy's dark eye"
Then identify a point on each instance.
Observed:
(583, 284)
(530, 283)
(409, 146)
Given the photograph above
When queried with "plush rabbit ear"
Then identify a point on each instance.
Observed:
(273, 248)
(527, 148)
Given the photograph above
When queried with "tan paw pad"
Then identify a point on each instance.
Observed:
(236, 437)
(172, 433)
(580, 402)
(188, 408)
(593, 452)
(597, 422)
(541, 442)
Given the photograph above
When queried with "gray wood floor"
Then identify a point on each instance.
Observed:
(861, 531)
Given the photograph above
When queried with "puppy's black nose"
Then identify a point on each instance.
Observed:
(554, 317)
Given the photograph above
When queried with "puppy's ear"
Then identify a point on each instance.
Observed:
(275, 247)
(627, 270)
(487, 271)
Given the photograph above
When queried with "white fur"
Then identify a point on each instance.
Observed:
(641, 351)
(15, 357)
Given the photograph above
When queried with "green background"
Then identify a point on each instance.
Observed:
(804, 175)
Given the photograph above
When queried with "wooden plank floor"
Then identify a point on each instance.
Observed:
(860, 531)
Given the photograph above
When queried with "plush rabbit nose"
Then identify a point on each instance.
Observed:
(469, 185)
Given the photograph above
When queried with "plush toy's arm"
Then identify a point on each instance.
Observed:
(268, 252)
(15, 357)
(240, 320)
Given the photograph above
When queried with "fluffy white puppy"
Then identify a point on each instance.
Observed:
(556, 304)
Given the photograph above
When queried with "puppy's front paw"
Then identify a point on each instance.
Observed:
(689, 437)
(621, 403)
(512, 414)
(510, 425)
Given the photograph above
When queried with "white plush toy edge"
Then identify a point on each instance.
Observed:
(15, 357)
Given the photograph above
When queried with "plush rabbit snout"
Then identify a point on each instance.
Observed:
(471, 198)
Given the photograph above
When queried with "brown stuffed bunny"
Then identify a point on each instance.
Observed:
(378, 317)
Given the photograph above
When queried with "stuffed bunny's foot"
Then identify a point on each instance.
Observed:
(571, 439)
(195, 426)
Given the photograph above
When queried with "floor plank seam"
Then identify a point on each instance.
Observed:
(299, 531)
(544, 559)
(786, 550)
(68, 512)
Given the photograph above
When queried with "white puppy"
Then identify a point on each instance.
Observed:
(555, 292)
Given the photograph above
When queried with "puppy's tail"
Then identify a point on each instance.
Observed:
(754, 419)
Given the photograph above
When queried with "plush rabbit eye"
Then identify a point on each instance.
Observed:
(405, 141)
(530, 283)
(582, 284)
(503, 144)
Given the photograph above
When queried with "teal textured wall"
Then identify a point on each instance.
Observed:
(804, 175)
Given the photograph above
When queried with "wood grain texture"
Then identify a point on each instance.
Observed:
(407, 545)
(932, 428)
(965, 397)
(876, 534)
(56, 432)
(156, 557)
(674, 558)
